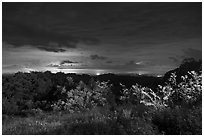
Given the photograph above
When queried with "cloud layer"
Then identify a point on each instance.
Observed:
(97, 57)
(150, 37)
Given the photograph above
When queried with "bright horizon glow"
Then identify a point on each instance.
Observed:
(97, 73)
(80, 71)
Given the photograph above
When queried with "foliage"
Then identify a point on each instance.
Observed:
(186, 93)
(97, 121)
(9, 107)
(29, 126)
(83, 97)
(142, 95)
(179, 121)
(70, 106)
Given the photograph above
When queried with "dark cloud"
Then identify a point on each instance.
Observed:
(89, 41)
(20, 34)
(142, 23)
(109, 62)
(67, 62)
(62, 65)
(39, 25)
(133, 65)
(53, 65)
(131, 62)
(51, 49)
(97, 57)
(174, 59)
(193, 53)
(91, 23)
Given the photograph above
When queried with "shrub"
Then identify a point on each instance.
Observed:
(137, 95)
(9, 106)
(179, 121)
(83, 98)
(186, 93)
(175, 105)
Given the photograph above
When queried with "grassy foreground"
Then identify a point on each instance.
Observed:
(98, 121)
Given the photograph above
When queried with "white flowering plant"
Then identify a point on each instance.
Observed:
(141, 95)
(187, 92)
(83, 97)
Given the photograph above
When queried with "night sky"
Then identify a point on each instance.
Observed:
(143, 38)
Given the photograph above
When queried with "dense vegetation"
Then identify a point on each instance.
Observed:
(46, 103)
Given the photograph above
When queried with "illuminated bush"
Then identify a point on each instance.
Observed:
(141, 95)
(186, 93)
(83, 97)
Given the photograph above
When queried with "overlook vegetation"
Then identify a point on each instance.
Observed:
(46, 103)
